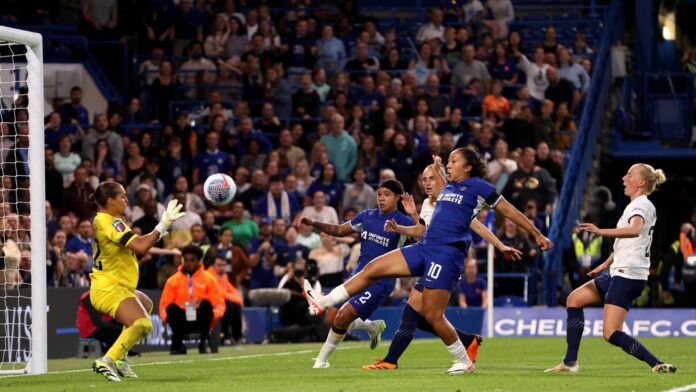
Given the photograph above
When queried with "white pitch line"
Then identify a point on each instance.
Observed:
(249, 356)
(683, 389)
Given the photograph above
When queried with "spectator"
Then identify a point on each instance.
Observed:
(237, 41)
(277, 203)
(66, 161)
(307, 237)
(503, 13)
(437, 103)
(304, 178)
(289, 154)
(269, 122)
(253, 159)
(164, 89)
(257, 189)
(53, 179)
(305, 102)
(511, 235)
(550, 45)
(105, 166)
(231, 327)
(565, 127)
(331, 52)
(263, 253)
(74, 110)
(580, 50)
(329, 184)
(369, 157)
(75, 273)
(76, 196)
(57, 260)
(433, 29)
(467, 69)
(294, 313)
(495, 102)
(535, 73)
(561, 90)
(454, 125)
(290, 252)
(543, 160)
(589, 251)
(319, 211)
(530, 182)
(687, 240)
(572, 71)
(393, 64)
(149, 176)
(341, 147)
(544, 127)
(299, 49)
(362, 63)
(143, 195)
(82, 242)
(191, 290)
(216, 39)
(358, 196)
(399, 157)
(500, 167)
(319, 84)
(188, 27)
(243, 229)
(195, 64)
(531, 211)
(180, 231)
(234, 254)
(473, 290)
(472, 11)
(101, 131)
(278, 91)
(211, 161)
(425, 64)
(330, 257)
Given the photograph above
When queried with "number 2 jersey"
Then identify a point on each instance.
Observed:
(457, 204)
(374, 241)
(114, 263)
(632, 255)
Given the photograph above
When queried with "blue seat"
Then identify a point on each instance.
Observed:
(510, 301)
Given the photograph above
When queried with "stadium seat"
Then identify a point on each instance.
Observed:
(510, 301)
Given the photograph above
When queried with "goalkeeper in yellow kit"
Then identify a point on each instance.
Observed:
(115, 274)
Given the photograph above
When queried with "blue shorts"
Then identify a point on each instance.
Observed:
(439, 265)
(618, 290)
(366, 302)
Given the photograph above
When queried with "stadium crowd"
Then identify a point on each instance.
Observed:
(307, 111)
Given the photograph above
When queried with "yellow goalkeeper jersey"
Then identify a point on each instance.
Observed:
(114, 264)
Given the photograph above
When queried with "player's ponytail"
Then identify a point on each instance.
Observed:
(478, 165)
(654, 177)
(104, 192)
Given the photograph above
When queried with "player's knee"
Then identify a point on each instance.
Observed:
(342, 321)
(144, 325)
(607, 332)
(432, 315)
(574, 301)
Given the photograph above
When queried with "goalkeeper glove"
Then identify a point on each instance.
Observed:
(171, 215)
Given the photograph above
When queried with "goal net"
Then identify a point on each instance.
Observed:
(22, 211)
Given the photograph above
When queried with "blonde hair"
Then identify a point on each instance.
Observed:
(443, 173)
(654, 177)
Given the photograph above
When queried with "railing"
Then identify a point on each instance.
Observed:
(575, 179)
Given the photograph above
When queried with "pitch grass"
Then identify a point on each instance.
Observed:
(504, 364)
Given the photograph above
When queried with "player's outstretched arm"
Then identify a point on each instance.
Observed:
(141, 245)
(509, 211)
(416, 232)
(328, 228)
(632, 231)
(484, 232)
(601, 267)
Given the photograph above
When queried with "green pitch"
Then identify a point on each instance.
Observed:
(504, 364)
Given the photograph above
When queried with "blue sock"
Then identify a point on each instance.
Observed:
(574, 327)
(403, 336)
(425, 326)
(633, 347)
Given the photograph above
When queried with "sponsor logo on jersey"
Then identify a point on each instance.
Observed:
(119, 226)
(451, 197)
(378, 239)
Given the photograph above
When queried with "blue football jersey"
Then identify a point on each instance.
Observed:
(457, 204)
(374, 241)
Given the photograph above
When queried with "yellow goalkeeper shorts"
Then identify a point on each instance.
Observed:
(108, 301)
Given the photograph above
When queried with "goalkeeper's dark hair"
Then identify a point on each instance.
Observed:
(105, 191)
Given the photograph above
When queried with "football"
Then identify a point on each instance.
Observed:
(219, 189)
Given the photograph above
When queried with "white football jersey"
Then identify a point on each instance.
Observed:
(426, 212)
(632, 255)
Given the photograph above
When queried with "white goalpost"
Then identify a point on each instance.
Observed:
(23, 310)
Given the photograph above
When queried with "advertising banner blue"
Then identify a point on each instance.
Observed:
(551, 322)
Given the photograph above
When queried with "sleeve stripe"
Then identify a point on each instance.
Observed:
(125, 239)
(493, 199)
(634, 215)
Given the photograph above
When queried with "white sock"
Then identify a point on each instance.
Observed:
(108, 360)
(332, 342)
(458, 351)
(365, 325)
(336, 296)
